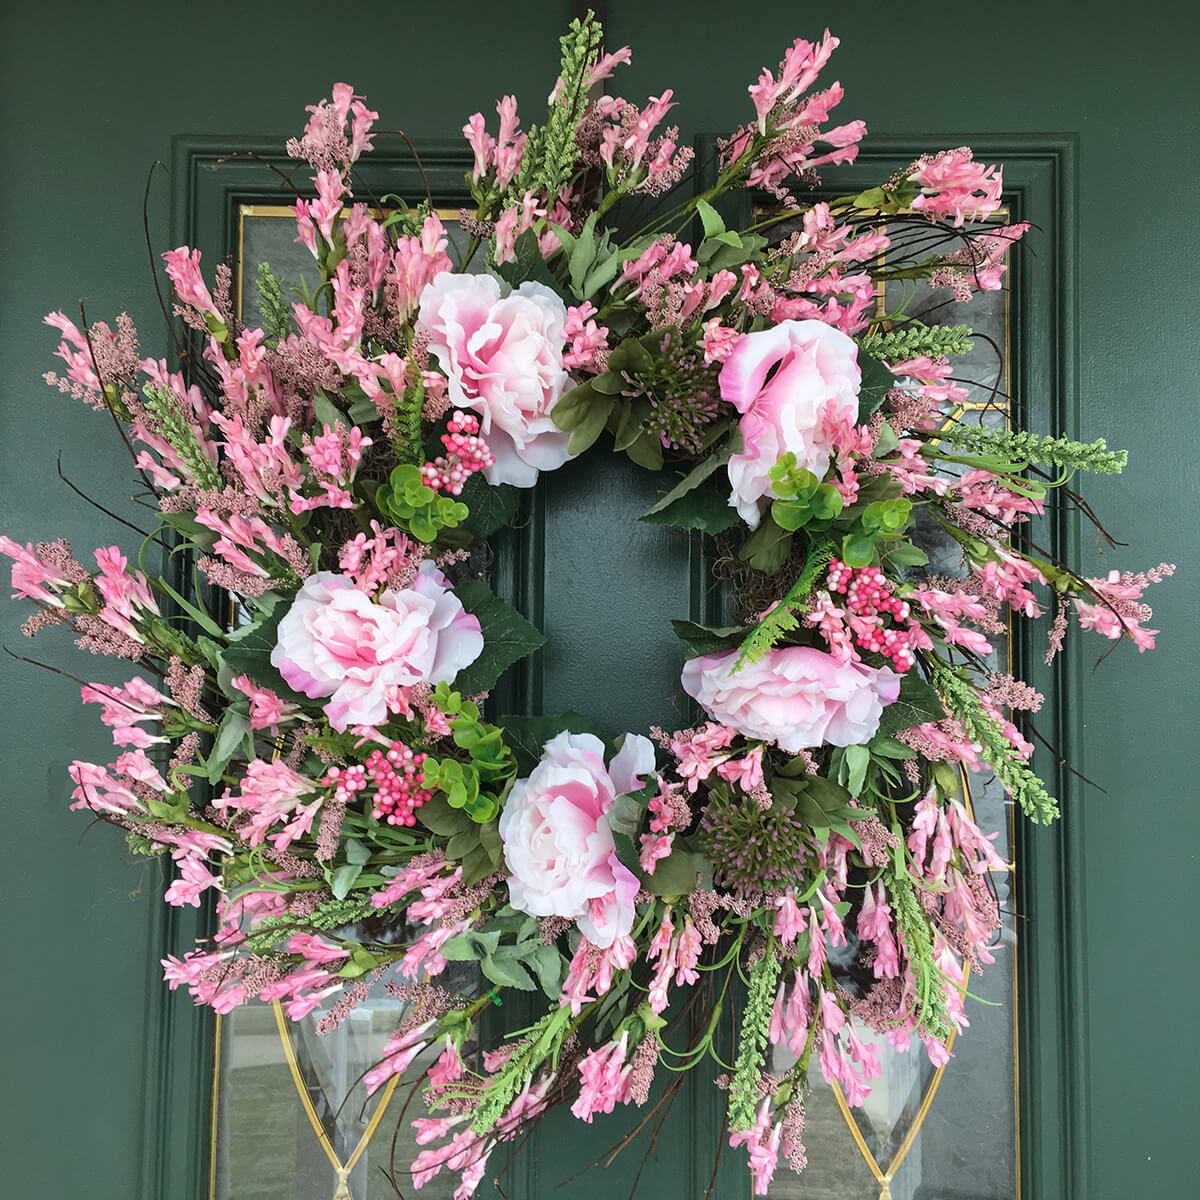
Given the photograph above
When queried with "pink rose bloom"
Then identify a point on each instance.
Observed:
(816, 377)
(557, 844)
(336, 642)
(504, 358)
(797, 697)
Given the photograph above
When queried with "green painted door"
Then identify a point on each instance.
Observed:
(106, 1078)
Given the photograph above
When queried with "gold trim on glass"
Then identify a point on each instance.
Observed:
(341, 1169)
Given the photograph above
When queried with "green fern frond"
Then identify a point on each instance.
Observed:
(784, 617)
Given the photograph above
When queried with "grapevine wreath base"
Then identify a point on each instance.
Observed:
(328, 770)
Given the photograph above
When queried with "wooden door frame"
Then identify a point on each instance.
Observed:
(212, 176)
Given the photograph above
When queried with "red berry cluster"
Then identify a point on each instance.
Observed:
(466, 453)
(869, 598)
(398, 779)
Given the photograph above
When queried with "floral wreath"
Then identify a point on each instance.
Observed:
(334, 472)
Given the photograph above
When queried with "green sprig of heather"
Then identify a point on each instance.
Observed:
(171, 424)
(1028, 447)
(333, 914)
(752, 1041)
(784, 617)
(550, 152)
(995, 749)
(932, 1017)
(912, 341)
(273, 305)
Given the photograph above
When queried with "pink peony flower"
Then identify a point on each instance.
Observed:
(557, 843)
(336, 642)
(504, 358)
(797, 697)
(814, 382)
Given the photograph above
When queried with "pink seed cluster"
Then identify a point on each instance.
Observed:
(397, 777)
(466, 453)
(869, 598)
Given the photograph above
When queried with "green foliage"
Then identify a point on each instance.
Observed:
(489, 506)
(876, 382)
(516, 963)
(931, 1014)
(474, 844)
(1029, 448)
(880, 521)
(593, 262)
(507, 638)
(472, 786)
(995, 749)
(409, 503)
(272, 304)
(550, 151)
(917, 704)
(783, 617)
(916, 339)
(752, 1040)
(270, 932)
(805, 502)
(528, 266)
(249, 649)
(527, 736)
(768, 547)
(709, 639)
(169, 420)
(698, 501)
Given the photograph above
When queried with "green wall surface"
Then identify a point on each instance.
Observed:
(93, 95)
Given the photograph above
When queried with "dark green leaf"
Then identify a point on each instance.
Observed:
(326, 412)
(438, 817)
(877, 381)
(917, 704)
(528, 265)
(507, 973)
(588, 429)
(490, 505)
(905, 554)
(527, 736)
(231, 732)
(709, 639)
(681, 507)
(507, 638)
(767, 547)
(676, 874)
(647, 451)
(547, 965)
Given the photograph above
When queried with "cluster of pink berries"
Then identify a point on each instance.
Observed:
(398, 779)
(466, 453)
(869, 598)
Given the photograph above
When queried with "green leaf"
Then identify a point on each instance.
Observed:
(877, 381)
(507, 638)
(589, 427)
(767, 547)
(709, 639)
(325, 412)
(548, 967)
(647, 451)
(905, 554)
(858, 759)
(438, 817)
(527, 736)
(712, 220)
(507, 973)
(583, 254)
(489, 505)
(917, 704)
(343, 879)
(231, 733)
(682, 508)
(676, 874)
(528, 265)
(572, 406)
(200, 617)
